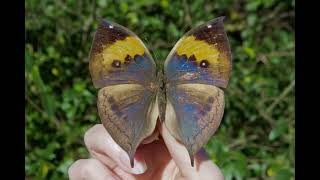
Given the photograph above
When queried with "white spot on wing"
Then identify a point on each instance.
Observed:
(110, 26)
(209, 25)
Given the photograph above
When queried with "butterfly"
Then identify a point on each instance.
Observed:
(186, 94)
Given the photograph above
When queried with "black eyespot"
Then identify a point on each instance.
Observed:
(116, 63)
(192, 58)
(204, 63)
(127, 59)
(135, 58)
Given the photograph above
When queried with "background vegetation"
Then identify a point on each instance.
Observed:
(256, 137)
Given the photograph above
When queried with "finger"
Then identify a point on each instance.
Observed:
(178, 152)
(206, 168)
(90, 169)
(203, 168)
(115, 168)
(102, 147)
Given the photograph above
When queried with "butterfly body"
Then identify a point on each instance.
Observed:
(185, 94)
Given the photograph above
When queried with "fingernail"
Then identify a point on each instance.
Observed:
(139, 167)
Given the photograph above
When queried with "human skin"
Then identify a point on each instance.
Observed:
(162, 159)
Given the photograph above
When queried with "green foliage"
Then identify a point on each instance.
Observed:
(256, 137)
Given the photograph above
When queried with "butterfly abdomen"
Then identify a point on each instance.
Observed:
(161, 95)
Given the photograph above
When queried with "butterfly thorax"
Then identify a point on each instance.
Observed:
(161, 94)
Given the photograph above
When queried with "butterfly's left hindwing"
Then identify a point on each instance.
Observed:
(197, 66)
(129, 113)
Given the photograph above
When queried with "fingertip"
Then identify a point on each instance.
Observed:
(208, 168)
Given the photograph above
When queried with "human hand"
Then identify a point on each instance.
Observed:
(164, 159)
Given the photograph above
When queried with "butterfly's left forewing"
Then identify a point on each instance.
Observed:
(118, 56)
(197, 66)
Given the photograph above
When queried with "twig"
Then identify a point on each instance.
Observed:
(282, 53)
(273, 14)
(187, 11)
(65, 8)
(287, 14)
(264, 57)
(94, 8)
(282, 95)
(265, 116)
(34, 105)
(242, 141)
(160, 43)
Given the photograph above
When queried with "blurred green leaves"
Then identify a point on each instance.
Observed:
(256, 137)
(280, 128)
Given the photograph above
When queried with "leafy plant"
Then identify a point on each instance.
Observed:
(256, 137)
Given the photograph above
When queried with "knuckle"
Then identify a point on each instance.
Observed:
(90, 134)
